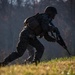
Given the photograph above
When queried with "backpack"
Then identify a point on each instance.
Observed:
(34, 24)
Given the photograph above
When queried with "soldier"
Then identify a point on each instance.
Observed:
(37, 25)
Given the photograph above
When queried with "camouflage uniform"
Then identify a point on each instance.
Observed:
(29, 37)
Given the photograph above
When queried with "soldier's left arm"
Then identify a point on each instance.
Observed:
(49, 38)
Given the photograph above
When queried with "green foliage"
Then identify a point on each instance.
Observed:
(61, 66)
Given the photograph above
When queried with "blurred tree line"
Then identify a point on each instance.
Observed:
(13, 13)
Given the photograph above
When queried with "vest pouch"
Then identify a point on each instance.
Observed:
(32, 23)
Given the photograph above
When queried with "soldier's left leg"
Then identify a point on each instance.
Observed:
(31, 52)
(39, 49)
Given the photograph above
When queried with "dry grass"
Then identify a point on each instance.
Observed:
(62, 66)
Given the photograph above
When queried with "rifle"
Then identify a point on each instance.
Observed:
(59, 39)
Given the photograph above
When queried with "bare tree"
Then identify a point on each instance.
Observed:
(19, 2)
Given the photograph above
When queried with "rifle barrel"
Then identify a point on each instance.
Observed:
(62, 43)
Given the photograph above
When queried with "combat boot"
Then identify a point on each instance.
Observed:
(2, 64)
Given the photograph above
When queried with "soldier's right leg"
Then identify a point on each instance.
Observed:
(22, 45)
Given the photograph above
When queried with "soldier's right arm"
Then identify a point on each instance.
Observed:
(45, 24)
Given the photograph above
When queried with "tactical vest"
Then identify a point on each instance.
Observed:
(34, 23)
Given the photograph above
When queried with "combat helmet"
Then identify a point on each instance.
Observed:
(50, 9)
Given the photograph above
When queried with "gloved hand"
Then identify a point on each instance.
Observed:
(55, 29)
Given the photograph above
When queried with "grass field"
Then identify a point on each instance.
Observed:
(61, 66)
